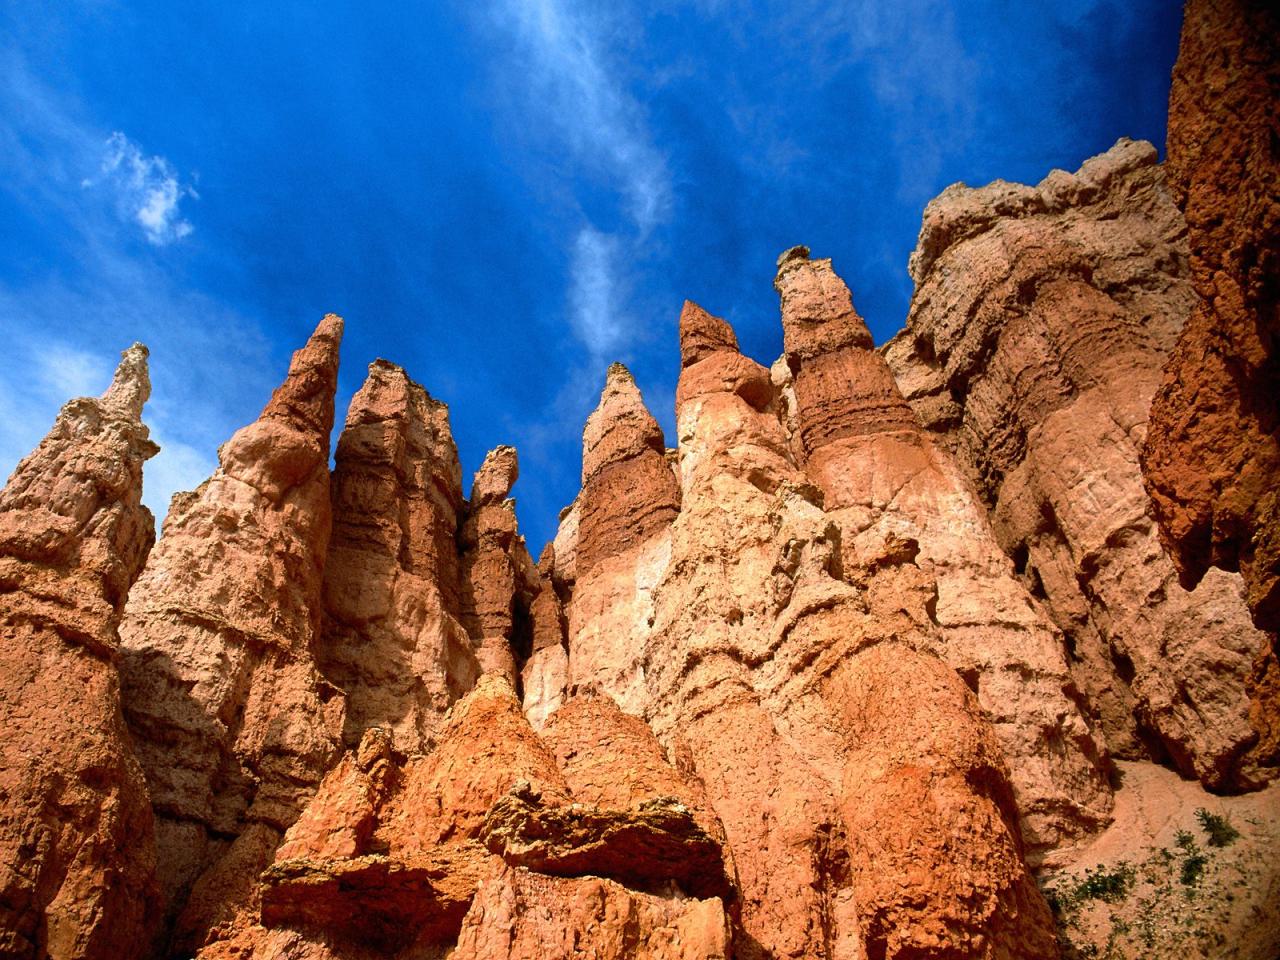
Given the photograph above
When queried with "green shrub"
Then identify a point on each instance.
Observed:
(1221, 832)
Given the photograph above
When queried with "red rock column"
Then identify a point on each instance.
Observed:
(234, 724)
(500, 580)
(392, 639)
(77, 855)
(628, 490)
(623, 516)
(1212, 458)
(886, 480)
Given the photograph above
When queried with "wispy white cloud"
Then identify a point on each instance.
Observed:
(63, 330)
(566, 71)
(147, 189)
(597, 295)
(569, 77)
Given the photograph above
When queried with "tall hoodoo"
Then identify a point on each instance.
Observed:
(628, 491)
(234, 724)
(885, 479)
(392, 639)
(500, 580)
(77, 855)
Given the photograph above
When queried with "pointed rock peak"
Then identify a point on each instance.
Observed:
(797, 254)
(496, 476)
(702, 334)
(620, 427)
(389, 393)
(131, 386)
(618, 374)
(305, 399)
(817, 309)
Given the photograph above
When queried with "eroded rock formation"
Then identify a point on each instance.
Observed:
(1034, 344)
(837, 676)
(77, 853)
(233, 723)
(392, 638)
(1212, 457)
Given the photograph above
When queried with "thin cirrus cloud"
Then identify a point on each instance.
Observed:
(593, 121)
(147, 189)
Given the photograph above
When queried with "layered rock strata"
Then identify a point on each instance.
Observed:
(77, 854)
(830, 679)
(1041, 318)
(740, 681)
(392, 637)
(1212, 457)
(409, 855)
(234, 724)
(885, 479)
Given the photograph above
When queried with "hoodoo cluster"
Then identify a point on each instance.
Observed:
(839, 674)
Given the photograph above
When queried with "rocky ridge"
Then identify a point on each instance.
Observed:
(887, 639)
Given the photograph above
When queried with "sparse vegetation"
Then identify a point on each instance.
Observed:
(1193, 860)
(1219, 829)
(1172, 901)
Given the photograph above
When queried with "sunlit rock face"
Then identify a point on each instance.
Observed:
(881, 641)
(1041, 320)
(233, 722)
(77, 850)
(392, 637)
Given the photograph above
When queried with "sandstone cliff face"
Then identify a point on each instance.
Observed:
(234, 724)
(834, 678)
(77, 857)
(1041, 318)
(885, 479)
(751, 686)
(1212, 457)
(392, 640)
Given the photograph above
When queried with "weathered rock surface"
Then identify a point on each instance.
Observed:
(518, 915)
(392, 639)
(500, 580)
(736, 679)
(390, 853)
(1212, 457)
(935, 854)
(885, 479)
(1033, 347)
(834, 678)
(233, 723)
(77, 855)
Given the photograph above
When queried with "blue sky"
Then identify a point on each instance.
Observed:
(502, 197)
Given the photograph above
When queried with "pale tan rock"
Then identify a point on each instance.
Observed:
(519, 915)
(233, 723)
(77, 854)
(1043, 315)
(719, 629)
(392, 640)
(884, 478)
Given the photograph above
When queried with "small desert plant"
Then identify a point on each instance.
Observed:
(1194, 860)
(1221, 832)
